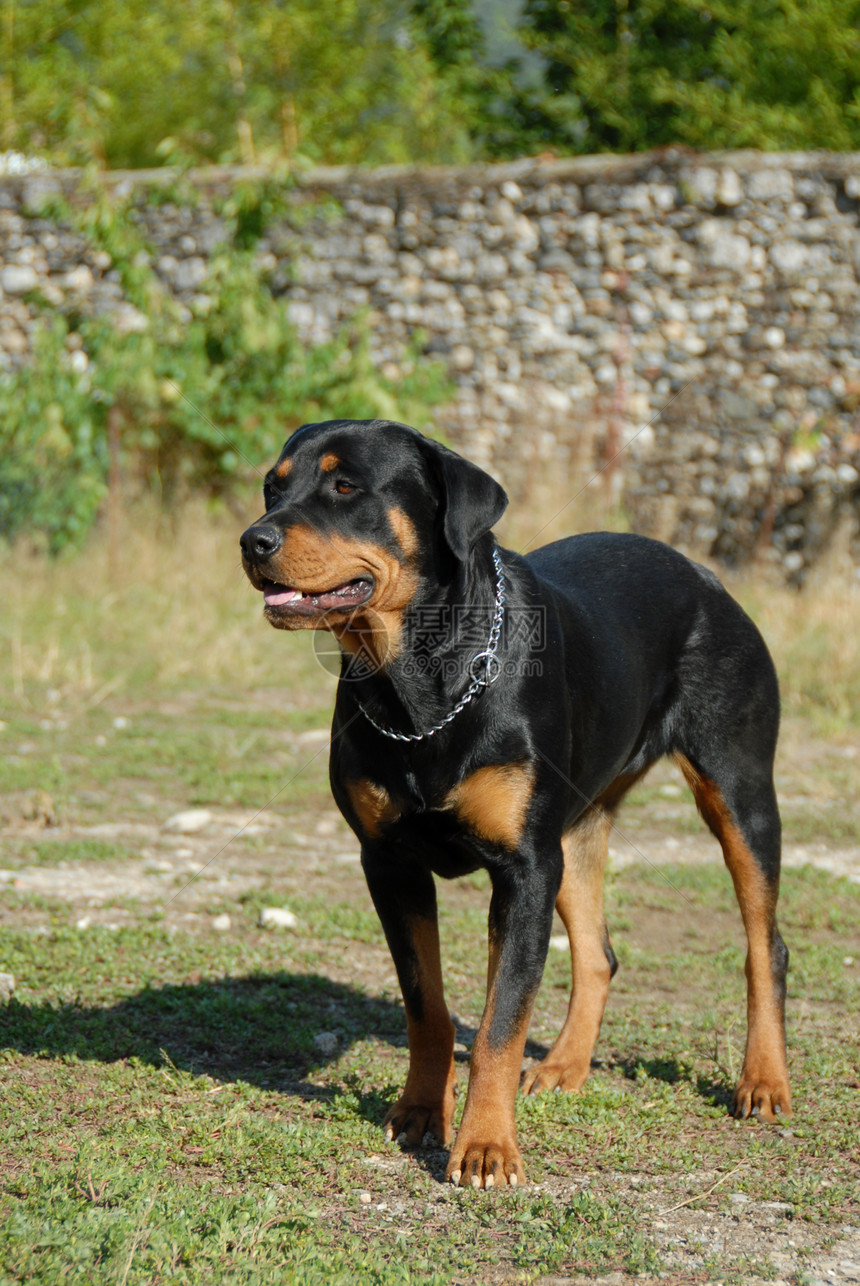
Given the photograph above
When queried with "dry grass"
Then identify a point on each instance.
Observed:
(169, 605)
(172, 606)
(815, 640)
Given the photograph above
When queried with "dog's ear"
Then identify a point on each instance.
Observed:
(472, 501)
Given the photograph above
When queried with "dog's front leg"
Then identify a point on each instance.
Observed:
(405, 899)
(486, 1152)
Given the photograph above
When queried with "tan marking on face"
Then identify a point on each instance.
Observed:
(314, 562)
(284, 467)
(373, 806)
(404, 529)
(329, 462)
(493, 802)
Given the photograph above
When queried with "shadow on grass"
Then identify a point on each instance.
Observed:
(261, 1029)
(672, 1071)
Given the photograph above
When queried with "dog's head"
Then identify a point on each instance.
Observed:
(359, 515)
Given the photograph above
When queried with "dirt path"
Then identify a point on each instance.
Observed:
(181, 871)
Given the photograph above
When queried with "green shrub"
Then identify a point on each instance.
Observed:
(53, 455)
(199, 401)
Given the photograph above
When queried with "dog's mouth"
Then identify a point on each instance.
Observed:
(282, 600)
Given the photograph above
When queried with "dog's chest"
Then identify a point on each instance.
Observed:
(489, 805)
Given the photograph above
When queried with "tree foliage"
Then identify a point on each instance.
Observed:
(142, 82)
(708, 73)
(138, 82)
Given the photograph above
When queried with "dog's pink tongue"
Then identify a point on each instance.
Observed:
(277, 596)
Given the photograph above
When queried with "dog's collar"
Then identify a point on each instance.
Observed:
(484, 667)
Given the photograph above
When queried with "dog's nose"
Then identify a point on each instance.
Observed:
(260, 541)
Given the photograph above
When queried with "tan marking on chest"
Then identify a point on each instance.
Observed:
(373, 806)
(493, 802)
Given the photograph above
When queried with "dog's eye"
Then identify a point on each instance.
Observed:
(342, 487)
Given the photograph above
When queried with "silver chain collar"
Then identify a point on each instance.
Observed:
(487, 663)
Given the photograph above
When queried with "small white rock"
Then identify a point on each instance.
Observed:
(186, 823)
(729, 190)
(327, 1043)
(128, 320)
(222, 923)
(559, 942)
(7, 985)
(277, 917)
(83, 923)
(18, 279)
(462, 357)
(79, 279)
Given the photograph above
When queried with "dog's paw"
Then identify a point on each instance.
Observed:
(768, 1098)
(485, 1165)
(409, 1123)
(550, 1075)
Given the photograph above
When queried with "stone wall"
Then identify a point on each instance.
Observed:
(687, 326)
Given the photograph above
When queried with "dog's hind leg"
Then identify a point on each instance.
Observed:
(580, 905)
(744, 817)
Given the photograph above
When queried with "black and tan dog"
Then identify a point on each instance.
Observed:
(497, 710)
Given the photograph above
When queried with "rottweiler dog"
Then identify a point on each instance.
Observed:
(493, 711)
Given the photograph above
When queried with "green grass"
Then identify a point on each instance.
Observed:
(78, 850)
(169, 1116)
(205, 756)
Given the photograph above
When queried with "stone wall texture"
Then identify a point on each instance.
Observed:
(682, 329)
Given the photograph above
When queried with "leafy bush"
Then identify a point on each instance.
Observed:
(53, 454)
(199, 400)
